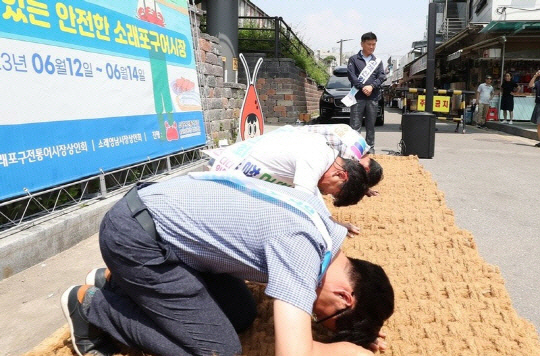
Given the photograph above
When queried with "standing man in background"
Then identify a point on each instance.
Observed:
(367, 98)
(484, 94)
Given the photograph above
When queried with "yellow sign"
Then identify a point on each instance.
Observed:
(235, 64)
(440, 103)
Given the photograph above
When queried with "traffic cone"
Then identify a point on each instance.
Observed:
(492, 115)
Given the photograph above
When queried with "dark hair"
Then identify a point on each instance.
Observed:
(375, 174)
(374, 304)
(368, 36)
(252, 118)
(356, 186)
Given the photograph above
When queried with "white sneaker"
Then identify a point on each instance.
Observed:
(503, 121)
(510, 122)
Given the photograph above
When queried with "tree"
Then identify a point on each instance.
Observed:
(328, 60)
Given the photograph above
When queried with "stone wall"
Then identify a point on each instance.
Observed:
(221, 101)
(284, 91)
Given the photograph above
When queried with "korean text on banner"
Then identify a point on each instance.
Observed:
(94, 85)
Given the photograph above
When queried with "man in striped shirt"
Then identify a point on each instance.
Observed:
(178, 253)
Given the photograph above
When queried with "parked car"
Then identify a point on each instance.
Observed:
(330, 106)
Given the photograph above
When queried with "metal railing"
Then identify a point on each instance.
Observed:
(36, 207)
(268, 35)
(451, 27)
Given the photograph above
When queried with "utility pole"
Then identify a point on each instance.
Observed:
(341, 49)
(430, 70)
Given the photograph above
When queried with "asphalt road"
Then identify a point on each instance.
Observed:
(491, 181)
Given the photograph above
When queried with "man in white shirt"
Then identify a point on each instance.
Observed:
(307, 161)
(484, 94)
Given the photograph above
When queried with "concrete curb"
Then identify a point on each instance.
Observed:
(31, 246)
(34, 245)
(527, 130)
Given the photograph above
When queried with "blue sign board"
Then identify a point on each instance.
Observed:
(93, 85)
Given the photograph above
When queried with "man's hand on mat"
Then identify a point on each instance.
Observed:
(379, 344)
(352, 229)
(372, 193)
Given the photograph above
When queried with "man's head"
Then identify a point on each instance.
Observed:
(369, 42)
(354, 300)
(488, 79)
(346, 180)
(374, 170)
(374, 297)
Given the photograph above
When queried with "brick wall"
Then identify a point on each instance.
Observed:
(221, 101)
(284, 91)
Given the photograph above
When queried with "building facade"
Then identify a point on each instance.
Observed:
(480, 38)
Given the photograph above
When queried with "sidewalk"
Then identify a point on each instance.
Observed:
(519, 128)
(29, 300)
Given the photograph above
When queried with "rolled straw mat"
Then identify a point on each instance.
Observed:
(449, 301)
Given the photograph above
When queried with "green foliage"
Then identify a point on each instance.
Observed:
(312, 68)
(253, 38)
(328, 60)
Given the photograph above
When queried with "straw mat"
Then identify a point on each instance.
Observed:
(449, 301)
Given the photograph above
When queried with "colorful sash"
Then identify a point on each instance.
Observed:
(350, 99)
(241, 180)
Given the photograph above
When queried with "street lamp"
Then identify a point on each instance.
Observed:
(341, 49)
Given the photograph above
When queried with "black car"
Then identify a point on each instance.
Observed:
(330, 106)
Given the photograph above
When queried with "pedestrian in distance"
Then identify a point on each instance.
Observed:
(484, 94)
(178, 253)
(369, 90)
(508, 88)
(535, 117)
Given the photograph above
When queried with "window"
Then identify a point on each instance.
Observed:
(479, 6)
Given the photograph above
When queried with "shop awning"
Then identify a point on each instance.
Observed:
(468, 31)
(419, 65)
(454, 55)
(512, 27)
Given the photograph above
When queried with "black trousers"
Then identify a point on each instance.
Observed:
(369, 108)
(158, 304)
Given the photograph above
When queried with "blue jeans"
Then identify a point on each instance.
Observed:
(158, 304)
(367, 108)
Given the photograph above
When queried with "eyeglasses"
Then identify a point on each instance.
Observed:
(339, 312)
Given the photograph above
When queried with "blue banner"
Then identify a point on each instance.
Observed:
(91, 86)
(83, 25)
(40, 154)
